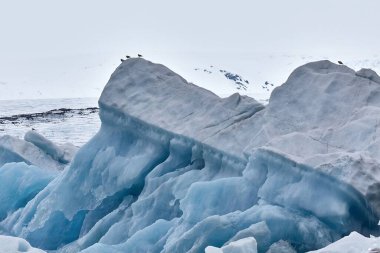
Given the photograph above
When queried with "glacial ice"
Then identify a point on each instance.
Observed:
(245, 245)
(13, 149)
(281, 246)
(353, 243)
(63, 154)
(10, 244)
(174, 168)
(19, 184)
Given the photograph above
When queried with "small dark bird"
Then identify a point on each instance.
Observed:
(341, 63)
(122, 60)
(139, 55)
(33, 129)
(128, 56)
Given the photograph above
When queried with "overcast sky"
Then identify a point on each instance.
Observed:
(43, 38)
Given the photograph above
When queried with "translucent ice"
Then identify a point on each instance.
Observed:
(19, 184)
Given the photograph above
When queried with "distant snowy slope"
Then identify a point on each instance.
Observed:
(258, 68)
(239, 82)
(83, 75)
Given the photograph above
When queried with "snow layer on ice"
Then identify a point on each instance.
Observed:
(245, 245)
(353, 243)
(10, 244)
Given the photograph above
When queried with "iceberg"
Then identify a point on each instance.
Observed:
(62, 154)
(175, 168)
(36, 150)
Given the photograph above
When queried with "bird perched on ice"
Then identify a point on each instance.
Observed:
(139, 55)
(122, 60)
(341, 63)
(128, 56)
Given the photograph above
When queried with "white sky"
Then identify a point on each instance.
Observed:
(69, 48)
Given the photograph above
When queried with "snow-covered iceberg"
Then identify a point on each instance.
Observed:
(175, 168)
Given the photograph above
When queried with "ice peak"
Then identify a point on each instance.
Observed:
(328, 108)
(369, 74)
(158, 96)
(135, 69)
